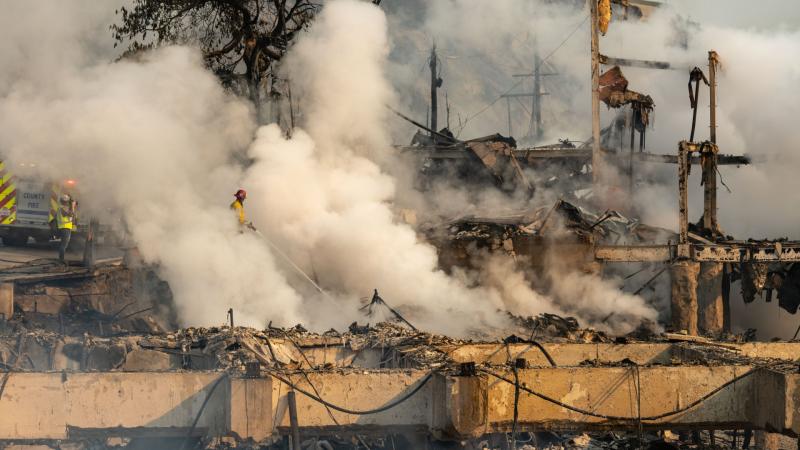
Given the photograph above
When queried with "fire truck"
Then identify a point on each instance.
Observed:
(28, 205)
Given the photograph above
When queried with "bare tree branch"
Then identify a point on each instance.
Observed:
(230, 33)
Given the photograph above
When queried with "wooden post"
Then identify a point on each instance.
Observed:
(293, 423)
(597, 157)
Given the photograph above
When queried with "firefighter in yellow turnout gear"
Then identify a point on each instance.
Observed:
(66, 221)
(238, 207)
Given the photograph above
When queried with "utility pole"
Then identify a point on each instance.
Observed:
(536, 101)
(597, 157)
(535, 127)
(435, 83)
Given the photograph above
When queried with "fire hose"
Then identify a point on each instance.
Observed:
(289, 260)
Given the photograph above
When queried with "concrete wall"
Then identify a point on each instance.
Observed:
(63, 405)
(45, 405)
(358, 391)
(612, 391)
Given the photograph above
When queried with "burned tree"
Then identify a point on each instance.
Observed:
(241, 40)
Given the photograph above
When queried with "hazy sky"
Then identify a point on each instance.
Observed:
(761, 14)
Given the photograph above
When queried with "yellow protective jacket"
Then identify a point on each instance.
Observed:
(65, 218)
(238, 207)
(604, 15)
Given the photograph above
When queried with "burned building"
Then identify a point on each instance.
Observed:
(93, 354)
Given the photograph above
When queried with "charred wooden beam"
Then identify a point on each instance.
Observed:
(638, 2)
(640, 63)
(527, 154)
(732, 253)
(729, 160)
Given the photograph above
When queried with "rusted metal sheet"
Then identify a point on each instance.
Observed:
(499, 159)
(614, 92)
(611, 81)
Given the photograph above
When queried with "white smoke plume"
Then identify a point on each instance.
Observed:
(327, 198)
(158, 140)
(482, 44)
(154, 139)
(322, 195)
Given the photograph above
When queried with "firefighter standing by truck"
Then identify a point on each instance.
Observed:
(65, 220)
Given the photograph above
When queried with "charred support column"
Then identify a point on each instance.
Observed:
(684, 153)
(713, 319)
(684, 295)
(709, 158)
(710, 304)
(684, 272)
(713, 309)
(697, 301)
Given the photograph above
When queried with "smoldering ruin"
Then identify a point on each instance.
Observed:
(460, 224)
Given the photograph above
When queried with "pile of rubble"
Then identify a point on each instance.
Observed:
(561, 218)
(664, 440)
(385, 344)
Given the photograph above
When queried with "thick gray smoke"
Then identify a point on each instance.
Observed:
(756, 102)
(482, 44)
(157, 140)
(327, 197)
(153, 139)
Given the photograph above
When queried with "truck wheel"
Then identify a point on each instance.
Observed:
(15, 240)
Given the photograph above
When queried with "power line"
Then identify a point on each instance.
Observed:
(623, 418)
(487, 106)
(572, 33)
(342, 409)
(565, 40)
